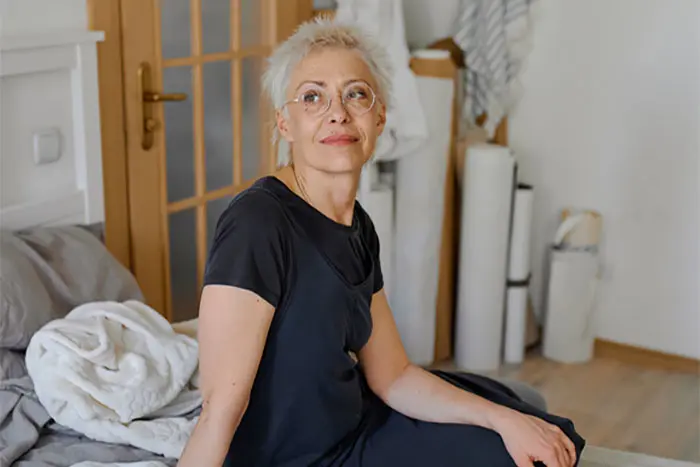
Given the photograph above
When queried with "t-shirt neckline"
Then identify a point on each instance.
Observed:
(302, 202)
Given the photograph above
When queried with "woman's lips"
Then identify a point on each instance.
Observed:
(339, 140)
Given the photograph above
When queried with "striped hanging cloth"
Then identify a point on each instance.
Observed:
(495, 36)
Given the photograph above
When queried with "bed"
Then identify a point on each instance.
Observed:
(45, 272)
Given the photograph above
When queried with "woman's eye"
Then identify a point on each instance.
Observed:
(310, 97)
(356, 94)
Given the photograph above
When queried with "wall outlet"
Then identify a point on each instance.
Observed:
(47, 146)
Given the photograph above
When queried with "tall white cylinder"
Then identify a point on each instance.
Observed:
(571, 306)
(521, 233)
(379, 204)
(483, 265)
(516, 320)
(420, 199)
(518, 275)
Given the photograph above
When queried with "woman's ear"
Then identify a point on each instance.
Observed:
(283, 126)
(381, 120)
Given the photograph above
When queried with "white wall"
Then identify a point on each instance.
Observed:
(610, 120)
(29, 16)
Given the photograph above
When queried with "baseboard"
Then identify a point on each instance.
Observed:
(645, 357)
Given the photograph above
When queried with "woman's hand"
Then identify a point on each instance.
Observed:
(530, 439)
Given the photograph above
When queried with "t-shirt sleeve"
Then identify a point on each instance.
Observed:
(374, 247)
(250, 247)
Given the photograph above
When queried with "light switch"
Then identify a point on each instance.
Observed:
(47, 146)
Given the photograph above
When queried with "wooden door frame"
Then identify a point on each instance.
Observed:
(105, 15)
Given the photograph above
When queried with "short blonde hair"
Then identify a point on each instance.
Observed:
(317, 34)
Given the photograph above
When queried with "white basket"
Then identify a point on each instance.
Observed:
(569, 329)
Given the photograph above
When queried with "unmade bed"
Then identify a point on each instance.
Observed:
(45, 273)
(29, 438)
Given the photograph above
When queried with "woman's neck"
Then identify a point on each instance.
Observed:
(331, 194)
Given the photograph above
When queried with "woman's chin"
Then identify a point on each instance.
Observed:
(339, 161)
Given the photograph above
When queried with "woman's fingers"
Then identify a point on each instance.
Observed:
(552, 456)
(566, 446)
(566, 452)
(523, 460)
(563, 454)
(570, 448)
(529, 438)
(556, 450)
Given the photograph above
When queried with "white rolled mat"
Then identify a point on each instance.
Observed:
(518, 275)
(521, 233)
(571, 306)
(486, 208)
(420, 196)
(516, 307)
(379, 204)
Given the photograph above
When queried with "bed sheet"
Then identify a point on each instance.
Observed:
(30, 438)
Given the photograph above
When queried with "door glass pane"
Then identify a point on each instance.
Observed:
(252, 125)
(214, 210)
(217, 124)
(251, 22)
(175, 28)
(183, 265)
(216, 19)
(179, 140)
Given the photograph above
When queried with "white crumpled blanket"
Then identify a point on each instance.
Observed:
(118, 373)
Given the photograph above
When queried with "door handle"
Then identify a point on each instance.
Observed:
(145, 92)
(157, 97)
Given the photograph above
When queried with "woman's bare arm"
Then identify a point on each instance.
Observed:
(421, 395)
(408, 388)
(233, 327)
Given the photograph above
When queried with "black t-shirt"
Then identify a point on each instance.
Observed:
(253, 249)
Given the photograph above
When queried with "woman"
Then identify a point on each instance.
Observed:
(293, 291)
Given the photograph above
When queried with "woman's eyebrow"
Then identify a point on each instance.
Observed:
(355, 80)
(323, 83)
(317, 83)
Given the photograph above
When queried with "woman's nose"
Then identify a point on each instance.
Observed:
(337, 113)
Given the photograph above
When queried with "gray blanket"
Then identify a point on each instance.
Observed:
(30, 438)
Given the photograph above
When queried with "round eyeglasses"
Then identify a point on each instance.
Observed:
(358, 98)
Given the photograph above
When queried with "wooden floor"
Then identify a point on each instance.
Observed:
(620, 406)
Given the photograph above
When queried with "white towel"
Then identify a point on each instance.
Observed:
(118, 373)
(495, 36)
(406, 128)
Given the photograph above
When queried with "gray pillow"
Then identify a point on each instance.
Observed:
(12, 364)
(25, 304)
(47, 271)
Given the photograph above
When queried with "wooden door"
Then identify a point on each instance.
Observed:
(197, 128)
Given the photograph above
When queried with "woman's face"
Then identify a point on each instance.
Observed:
(341, 137)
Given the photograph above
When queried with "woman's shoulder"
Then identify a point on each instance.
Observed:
(258, 202)
(256, 214)
(366, 226)
(363, 218)
(251, 248)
